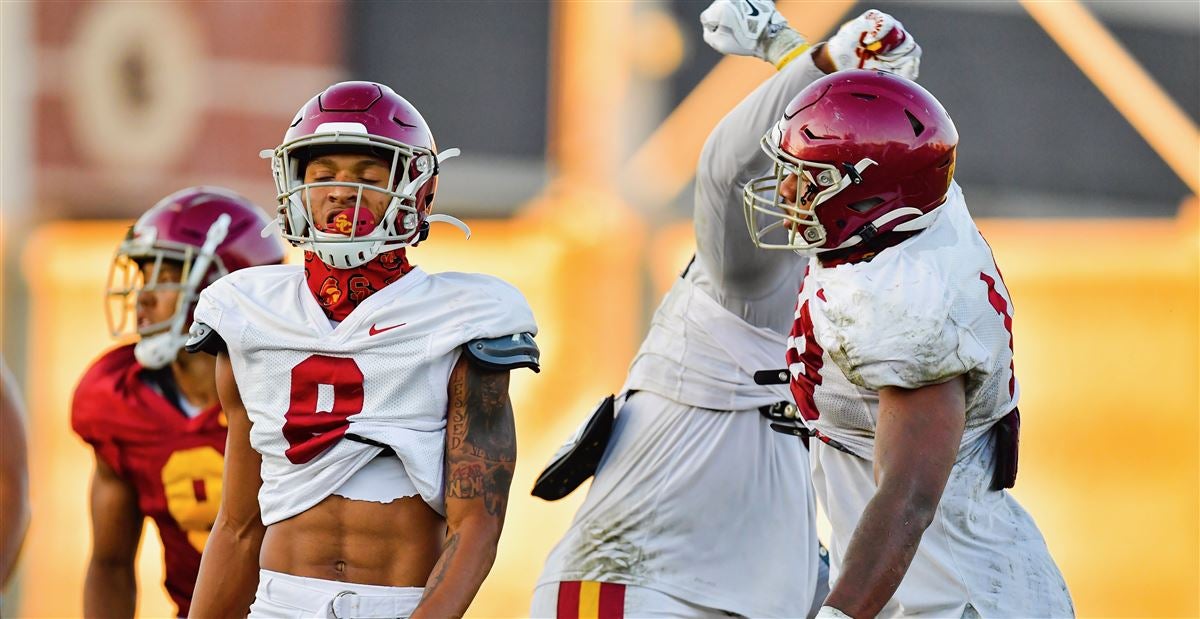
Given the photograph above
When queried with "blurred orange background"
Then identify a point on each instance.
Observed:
(1107, 323)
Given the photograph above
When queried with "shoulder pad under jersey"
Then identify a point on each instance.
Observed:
(203, 338)
(507, 352)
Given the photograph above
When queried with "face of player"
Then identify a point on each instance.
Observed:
(327, 202)
(159, 297)
(791, 188)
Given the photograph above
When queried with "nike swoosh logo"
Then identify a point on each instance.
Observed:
(375, 331)
(753, 9)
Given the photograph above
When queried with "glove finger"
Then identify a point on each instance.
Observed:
(721, 40)
(875, 25)
(711, 16)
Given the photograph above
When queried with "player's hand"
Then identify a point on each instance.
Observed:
(874, 40)
(741, 27)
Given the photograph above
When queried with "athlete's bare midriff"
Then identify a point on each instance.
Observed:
(394, 544)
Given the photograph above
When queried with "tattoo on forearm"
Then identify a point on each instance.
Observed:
(481, 438)
(443, 565)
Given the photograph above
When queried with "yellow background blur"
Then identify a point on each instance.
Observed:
(1107, 357)
(1106, 335)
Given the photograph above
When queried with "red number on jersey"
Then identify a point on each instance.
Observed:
(1001, 307)
(310, 432)
(805, 358)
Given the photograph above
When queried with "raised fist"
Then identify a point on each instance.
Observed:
(741, 27)
(874, 40)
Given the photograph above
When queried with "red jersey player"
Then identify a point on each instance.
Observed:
(150, 409)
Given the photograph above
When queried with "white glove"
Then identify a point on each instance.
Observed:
(829, 612)
(875, 40)
(741, 27)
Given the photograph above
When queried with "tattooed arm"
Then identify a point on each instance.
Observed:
(481, 450)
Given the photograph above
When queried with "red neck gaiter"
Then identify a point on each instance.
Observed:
(339, 291)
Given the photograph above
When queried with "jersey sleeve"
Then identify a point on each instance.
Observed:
(484, 307)
(94, 409)
(209, 307)
(731, 156)
(897, 328)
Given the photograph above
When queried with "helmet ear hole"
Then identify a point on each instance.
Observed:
(863, 206)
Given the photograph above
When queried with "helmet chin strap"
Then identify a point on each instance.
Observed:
(156, 351)
(920, 222)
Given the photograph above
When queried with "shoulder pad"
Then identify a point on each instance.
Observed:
(203, 338)
(507, 352)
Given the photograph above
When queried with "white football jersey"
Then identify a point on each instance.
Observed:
(919, 313)
(698, 353)
(696, 496)
(324, 399)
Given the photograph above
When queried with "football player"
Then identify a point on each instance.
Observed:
(149, 410)
(699, 508)
(900, 358)
(371, 437)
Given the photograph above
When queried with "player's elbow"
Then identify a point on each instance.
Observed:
(480, 531)
(915, 502)
(920, 503)
(481, 524)
(241, 530)
(921, 510)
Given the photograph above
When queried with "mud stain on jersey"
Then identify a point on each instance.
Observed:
(607, 552)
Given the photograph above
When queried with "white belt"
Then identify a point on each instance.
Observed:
(342, 600)
(350, 604)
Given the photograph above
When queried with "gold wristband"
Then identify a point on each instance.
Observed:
(791, 55)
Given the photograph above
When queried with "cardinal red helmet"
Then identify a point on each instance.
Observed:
(357, 117)
(872, 153)
(209, 232)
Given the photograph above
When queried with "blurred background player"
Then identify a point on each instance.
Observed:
(150, 410)
(699, 508)
(901, 358)
(14, 474)
(371, 437)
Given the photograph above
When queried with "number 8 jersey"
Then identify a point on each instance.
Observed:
(173, 461)
(325, 399)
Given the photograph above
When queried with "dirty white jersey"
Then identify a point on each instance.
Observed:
(696, 496)
(920, 313)
(324, 400)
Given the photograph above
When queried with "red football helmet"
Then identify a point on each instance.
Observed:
(872, 153)
(209, 232)
(358, 117)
